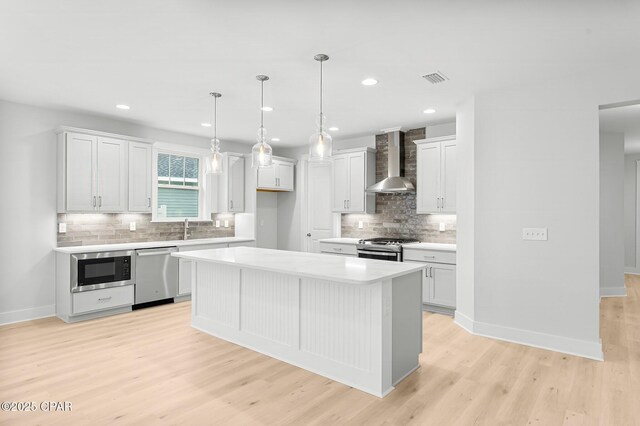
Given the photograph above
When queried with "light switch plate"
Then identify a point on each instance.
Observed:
(62, 228)
(442, 227)
(534, 234)
(226, 223)
(360, 224)
(132, 226)
(217, 224)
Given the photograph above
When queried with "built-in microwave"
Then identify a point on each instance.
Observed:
(92, 271)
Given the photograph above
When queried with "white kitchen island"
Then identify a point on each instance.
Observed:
(356, 321)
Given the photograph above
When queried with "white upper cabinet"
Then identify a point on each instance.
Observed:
(101, 173)
(227, 188)
(80, 151)
(436, 175)
(112, 175)
(353, 171)
(140, 177)
(277, 177)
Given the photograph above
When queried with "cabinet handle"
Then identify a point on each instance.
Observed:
(429, 257)
(100, 201)
(337, 249)
(344, 204)
(94, 201)
(431, 271)
(101, 299)
(231, 204)
(308, 234)
(149, 202)
(348, 204)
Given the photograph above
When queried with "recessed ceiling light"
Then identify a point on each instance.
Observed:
(333, 129)
(429, 111)
(275, 139)
(369, 81)
(122, 106)
(205, 124)
(267, 108)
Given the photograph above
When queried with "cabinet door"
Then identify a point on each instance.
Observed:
(448, 177)
(284, 173)
(267, 177)
(355, 201)
(80, 164)
(235, 182)
(442, 287)
(140, 176)
(428, 182)
(340, 183)
(112, 175)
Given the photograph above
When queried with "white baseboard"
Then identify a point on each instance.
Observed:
(567, 345)
(613, 291)
(632, 271)
(27, 314)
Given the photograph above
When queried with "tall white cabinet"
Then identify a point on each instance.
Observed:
(227, 188)
(101, 172)
(353, 171)
(436, 175)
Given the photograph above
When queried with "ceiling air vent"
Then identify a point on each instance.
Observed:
(435, 77)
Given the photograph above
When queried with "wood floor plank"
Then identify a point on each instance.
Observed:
(151, 367)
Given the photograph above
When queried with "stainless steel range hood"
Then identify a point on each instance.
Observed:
(394, 183)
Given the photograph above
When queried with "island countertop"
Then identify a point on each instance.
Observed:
(309, 265)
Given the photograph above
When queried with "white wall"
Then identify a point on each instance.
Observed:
(537, 165)
(28, 159)
(630, 212)
(289, 205)
(612, 214)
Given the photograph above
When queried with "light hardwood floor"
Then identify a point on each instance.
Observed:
(151, 367)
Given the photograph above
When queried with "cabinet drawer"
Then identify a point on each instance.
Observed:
(345, 249)
(436, 256)
(97, 300)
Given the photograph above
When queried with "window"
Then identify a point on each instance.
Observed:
(179, 187)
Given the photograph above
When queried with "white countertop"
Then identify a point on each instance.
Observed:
(345, 269)
(340, 240)
(150, 244)
(430, 246)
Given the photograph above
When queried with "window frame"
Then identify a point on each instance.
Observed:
(204, 211)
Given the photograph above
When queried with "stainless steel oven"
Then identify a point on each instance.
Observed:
(92, 271)
(380, 255)
(382, 248)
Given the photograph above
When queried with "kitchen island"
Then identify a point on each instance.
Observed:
(356, 321)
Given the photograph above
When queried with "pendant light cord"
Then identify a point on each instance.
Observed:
(321, 96)
(261, 107)
(215, 119)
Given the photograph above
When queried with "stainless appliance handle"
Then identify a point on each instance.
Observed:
(104, 298)
(154, 253)
(380, 253)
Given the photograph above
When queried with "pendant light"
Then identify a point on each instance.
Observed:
(261, 152)
(215, 161)
(320, 143)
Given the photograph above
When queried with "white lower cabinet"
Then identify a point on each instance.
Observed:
(340, 249)
(438, 279)
(98, 300)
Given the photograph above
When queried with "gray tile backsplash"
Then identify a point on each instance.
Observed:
(396, 213)
(113, 228)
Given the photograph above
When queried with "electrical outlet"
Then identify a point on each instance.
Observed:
(442, 227)
(534, 234)
(217, 224)
(62, 228)
(132, 226)
(226, 223)
(360, 224)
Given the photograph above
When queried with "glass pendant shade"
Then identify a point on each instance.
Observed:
(215, 160)
(261, 153)
(320, 143)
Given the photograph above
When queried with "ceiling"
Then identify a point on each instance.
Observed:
(163, 58)
(625, 119)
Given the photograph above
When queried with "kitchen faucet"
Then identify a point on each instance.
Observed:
(186, 229)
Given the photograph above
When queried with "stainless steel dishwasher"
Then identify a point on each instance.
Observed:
(156, 274)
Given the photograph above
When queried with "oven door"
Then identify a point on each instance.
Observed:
(92, 271)
(379, 255)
